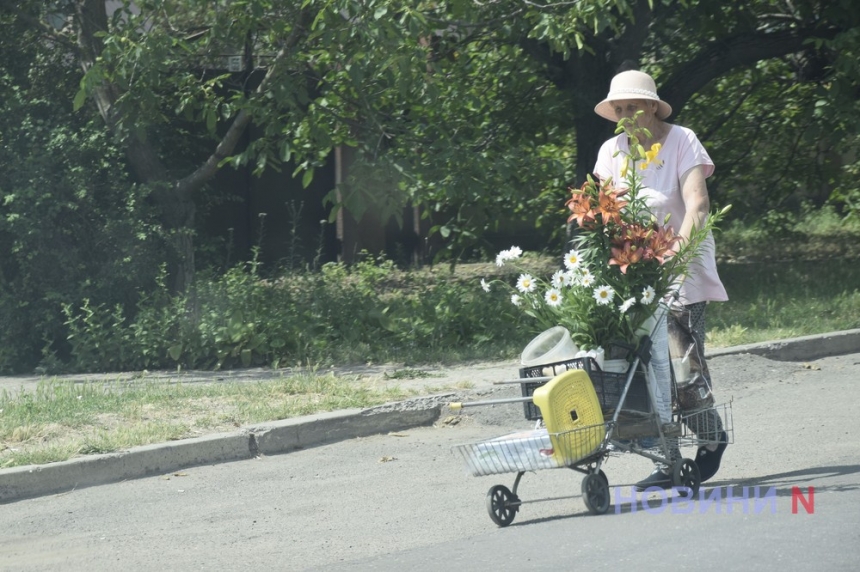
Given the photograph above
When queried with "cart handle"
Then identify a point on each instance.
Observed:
(543, 378)
(457, 405)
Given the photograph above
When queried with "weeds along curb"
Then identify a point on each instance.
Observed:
(805, 348)
(273, 438)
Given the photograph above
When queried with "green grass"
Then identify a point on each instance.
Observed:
(409, 373)
(60, 420)
(787, 275)
(778, 300)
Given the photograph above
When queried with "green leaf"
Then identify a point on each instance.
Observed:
(80, 99)
(246, 357)
(175, 351)
(211, 119)
(307, 178)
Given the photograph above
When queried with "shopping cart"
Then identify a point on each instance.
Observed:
(583, 414)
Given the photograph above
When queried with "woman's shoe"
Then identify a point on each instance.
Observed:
(709, 461)
(656, 479)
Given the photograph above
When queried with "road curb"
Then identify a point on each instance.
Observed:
(279, 437)
(30, 481)
(305, 432)
(806, 348)
(38, 480)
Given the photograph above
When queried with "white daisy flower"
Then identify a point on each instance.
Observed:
(647, 295)
(512, 253)
(558, 278)
(568, 279)
(628, 303)
(553, 297)
(587, 279)
(572, 259)
(603, 295)
(485, 285)
(516, 300)
(525, 283)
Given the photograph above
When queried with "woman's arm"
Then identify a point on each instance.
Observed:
(694, 191)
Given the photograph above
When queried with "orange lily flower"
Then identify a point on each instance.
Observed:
(610, 205)
(636, 233)
(662, 242)
(580, 208)
(624, 257)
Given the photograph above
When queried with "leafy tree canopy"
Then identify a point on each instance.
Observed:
(477, 109)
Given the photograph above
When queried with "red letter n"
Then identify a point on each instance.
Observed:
(808, 503)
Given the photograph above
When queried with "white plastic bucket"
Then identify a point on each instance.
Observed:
(553, 345)
(615, 365)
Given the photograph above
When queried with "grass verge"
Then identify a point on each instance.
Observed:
(60, 420)
(786, 299)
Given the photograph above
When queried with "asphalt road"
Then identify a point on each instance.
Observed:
(405, 502)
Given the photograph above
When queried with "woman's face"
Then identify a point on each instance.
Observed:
(628, 107)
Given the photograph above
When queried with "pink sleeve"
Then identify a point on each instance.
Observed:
(693, 153)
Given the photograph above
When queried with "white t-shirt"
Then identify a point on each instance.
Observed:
(661, 184)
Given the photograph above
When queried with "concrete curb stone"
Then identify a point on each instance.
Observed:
(37, 480)
(305, 432)
(273, 438)
(806, 348)
(299, 433)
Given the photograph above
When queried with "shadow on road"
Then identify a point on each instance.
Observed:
(782, 483)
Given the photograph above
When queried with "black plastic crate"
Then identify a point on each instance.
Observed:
(607, 384)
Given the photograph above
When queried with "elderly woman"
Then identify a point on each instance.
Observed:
(676, 187)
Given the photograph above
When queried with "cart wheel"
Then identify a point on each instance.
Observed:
(595, 492)
(499, 499)
(685, 473)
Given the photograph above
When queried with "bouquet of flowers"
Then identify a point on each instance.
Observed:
(623, 263)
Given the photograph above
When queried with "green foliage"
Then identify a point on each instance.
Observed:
(366, 312)
(794, 279)
(97, 336)
(373, 312)
(72, 226)
(468, 110)
(811, 234)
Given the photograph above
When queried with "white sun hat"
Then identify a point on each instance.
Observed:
(631, 85)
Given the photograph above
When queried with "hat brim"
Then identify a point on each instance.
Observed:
(606, 110)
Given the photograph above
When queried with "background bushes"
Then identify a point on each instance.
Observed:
(368, 312)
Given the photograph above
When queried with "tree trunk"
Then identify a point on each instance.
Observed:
(585, 77)
(176, 215)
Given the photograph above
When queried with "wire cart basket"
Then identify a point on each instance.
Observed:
(583, 415)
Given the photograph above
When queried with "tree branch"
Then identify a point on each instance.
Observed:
(723, 55)
(725, 117)
(228, 143)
